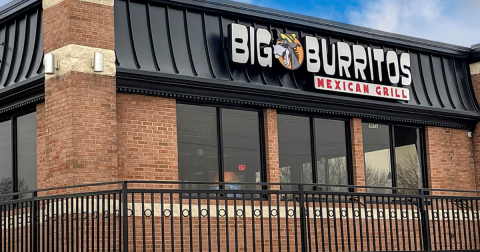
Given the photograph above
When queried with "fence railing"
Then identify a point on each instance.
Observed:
(176, 216)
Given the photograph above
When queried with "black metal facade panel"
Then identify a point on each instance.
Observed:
(185, 41)
(21, 54)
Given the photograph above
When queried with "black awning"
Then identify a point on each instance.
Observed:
(178, 47)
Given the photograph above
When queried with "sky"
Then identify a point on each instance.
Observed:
(450, 21)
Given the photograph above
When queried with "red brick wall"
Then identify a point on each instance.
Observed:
(147, 138)
(449, 159)
(476, 135)
(271, 146)
(80, 23)
(79, 130)
(357, 152)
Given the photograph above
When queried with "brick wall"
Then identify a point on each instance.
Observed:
(79, 131)
(475, 71)
(271, 146)
(358, 158)
(78, 22)
(147, 138)
(79, 128)
(449, 159)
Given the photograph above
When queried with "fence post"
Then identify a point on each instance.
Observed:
(303, 224)
(125, 216)
(34, 219)
(427, 246)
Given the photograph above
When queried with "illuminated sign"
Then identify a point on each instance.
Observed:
(248, 45)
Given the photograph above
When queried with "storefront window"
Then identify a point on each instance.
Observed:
(20, 175)
(207, 133)
(392, 157)
(331, 149)
(296, 145)
(295, 151)
(6, 171)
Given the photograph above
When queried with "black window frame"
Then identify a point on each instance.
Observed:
(313, 147)
(393, 164)
(12, 117)
(221, 163)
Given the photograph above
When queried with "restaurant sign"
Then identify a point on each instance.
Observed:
(365, 65)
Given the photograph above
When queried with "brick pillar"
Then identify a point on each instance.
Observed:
(79, 116)
(357, 153)
(147, 138)
(475, 72)
(271, 147)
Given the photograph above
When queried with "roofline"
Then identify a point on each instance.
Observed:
(16, 7)
(262, 13)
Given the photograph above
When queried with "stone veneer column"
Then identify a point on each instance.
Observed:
(357, 153)
(475, 72)
(79, 120)
(271, 147)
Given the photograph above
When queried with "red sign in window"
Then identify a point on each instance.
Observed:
(241, 167)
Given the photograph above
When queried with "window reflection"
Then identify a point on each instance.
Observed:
(27, 152)
(198, 148)
(376, 146)
(407, 172)
(408, 168)
(6, 176)
(331, 153)
(241, 146)
(294, 149)
(197, 143)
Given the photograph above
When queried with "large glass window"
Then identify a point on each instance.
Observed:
(18, 155)
(392, 157)
(218, 145)
(299, 137)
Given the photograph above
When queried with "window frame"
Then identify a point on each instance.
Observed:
(261, 135)
(393, 164)
(12, 117)
(313, 144)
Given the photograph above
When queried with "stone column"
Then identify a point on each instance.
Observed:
(79, 121)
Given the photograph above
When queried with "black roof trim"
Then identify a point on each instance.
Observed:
(475, 54)
(323, 24)
(23, 93)
(17, 7)
(135, 81)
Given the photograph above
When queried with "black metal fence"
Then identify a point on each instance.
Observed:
(174, 216)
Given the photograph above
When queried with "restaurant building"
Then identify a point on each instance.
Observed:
(167, 104)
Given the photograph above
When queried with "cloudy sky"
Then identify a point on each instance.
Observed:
(450, 21)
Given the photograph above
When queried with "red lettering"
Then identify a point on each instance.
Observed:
(403, 94)
(385, 91)
(396, 93)
(378, 90)
(365, 89)
(337, 85)
(350, 86)
(329, 83)
(320, 83)
(343, 85)
(357, 88)
(391, 92)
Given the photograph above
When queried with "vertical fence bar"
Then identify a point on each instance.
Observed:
(303, 231)
(425, 222)
(124, 215)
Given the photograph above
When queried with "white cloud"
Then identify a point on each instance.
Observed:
(450, 21)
